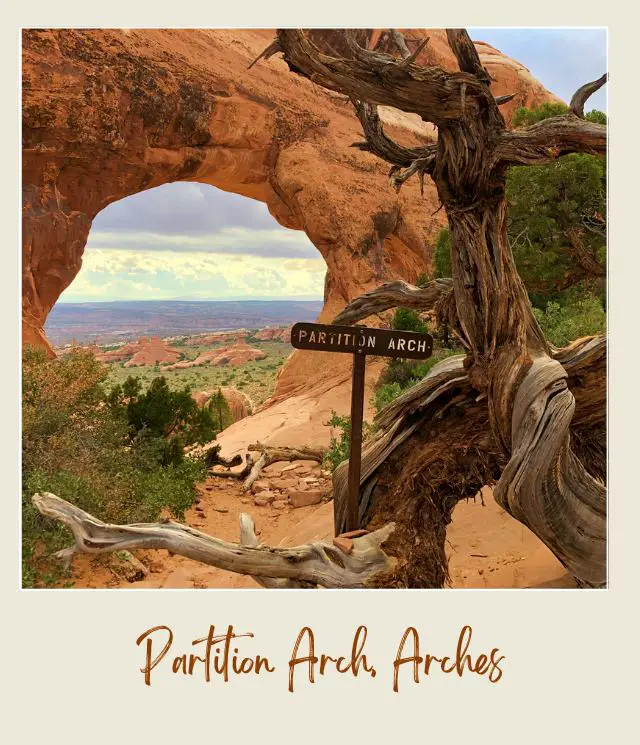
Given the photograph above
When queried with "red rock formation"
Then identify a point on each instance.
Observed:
(151, 352)
(238, 354)
(215, 338)
(108, 113)
(273, 332)
(121, 353)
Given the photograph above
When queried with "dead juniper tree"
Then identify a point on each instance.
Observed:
(513, 411)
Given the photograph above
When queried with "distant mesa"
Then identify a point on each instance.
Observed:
(273, 333)
(215, 338)
(143, 352)
(123, 352)
(238, 353)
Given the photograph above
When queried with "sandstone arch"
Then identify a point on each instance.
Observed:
(107, 114)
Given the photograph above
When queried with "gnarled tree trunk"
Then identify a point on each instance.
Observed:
(530, 407)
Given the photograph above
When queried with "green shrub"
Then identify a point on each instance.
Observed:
(524, 117)
(562, 324)
(339, 446)
(78, 444)
(400, 375)
(405, 319)
(442, 254)
(384, 395)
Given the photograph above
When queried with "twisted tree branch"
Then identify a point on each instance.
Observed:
(549, 139)
(580, 97)
(320, 563)
(379, 78)
(395, 294)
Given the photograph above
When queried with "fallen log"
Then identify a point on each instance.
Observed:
(312, 564)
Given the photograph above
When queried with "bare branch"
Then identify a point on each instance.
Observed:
(411, 58)
(400, 42)
(549, 139)
(397, 176)
(505, 99)
(466, 53)
(396, 294)
(580, 97)
(270, 455)
(320, 563)
(248, 537)
(431, 92)
(379, 144)
(272, 49)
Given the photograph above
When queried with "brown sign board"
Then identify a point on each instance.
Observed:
(361, 340)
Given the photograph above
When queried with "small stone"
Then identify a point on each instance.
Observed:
(305, 498)
(259, 485)
(265, 497)
(280, 504)
(290, 467)
(306, 463)
(344, 544)
(244, 500)
(275, 468)
(282, 483)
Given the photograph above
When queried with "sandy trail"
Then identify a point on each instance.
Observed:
(486, 546)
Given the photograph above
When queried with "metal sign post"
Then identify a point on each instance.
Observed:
(359, 341)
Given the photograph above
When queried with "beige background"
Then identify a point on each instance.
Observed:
(69, 659)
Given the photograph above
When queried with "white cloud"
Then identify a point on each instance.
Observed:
(111, 274)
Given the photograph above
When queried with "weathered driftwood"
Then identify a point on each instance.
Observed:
(239, 475)
(275, 453)
(509, 364)
(248, 537)
(319, 563)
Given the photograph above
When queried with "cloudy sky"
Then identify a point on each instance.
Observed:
(193, 241)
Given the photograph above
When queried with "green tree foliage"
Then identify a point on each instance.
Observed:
(578, 316)
(405, 319)
(442, 254)
(219, 410)
(523, 117)
(557, 231)
(78, 444)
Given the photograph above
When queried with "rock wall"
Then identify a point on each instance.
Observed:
(109, 113)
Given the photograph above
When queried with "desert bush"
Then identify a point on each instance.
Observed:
(405, 319)
(78, 444)
(400, 375)
(339, 445)
(442, 254)
(561, 324)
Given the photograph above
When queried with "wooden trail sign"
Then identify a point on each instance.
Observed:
(359, 341)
